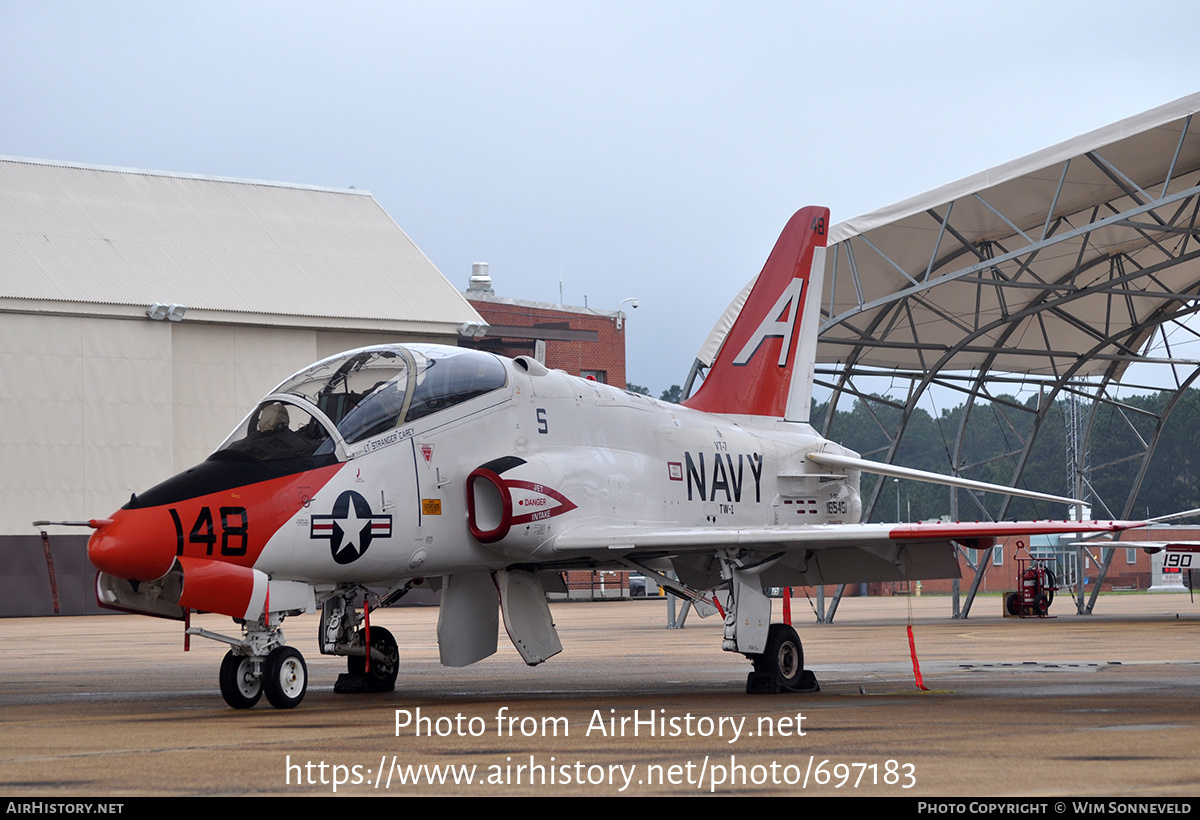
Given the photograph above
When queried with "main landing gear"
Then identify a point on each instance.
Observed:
(385, 661)
(773, 649)
(781, 666)
(341, 634)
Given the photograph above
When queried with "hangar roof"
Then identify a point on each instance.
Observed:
(1066, 259)
(1057, 271)
(228, 250)
(1063, 261)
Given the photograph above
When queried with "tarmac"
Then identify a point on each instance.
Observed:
(1071, 706)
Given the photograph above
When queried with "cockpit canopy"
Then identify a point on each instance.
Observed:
(363, 393)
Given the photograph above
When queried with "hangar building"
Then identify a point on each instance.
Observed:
(142, 315)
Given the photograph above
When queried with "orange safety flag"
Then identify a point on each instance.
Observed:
(912, 650)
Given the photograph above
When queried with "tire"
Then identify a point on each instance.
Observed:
(285, 677)
(1013, 603)
(1041, 604)
(784, 657)
(382, 677)
(238, 686)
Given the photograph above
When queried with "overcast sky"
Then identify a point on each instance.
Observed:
(649, 150)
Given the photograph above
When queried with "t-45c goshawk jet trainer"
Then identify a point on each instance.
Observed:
(393, 467)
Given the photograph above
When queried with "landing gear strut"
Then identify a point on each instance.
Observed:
(774, 649)
(341, 634)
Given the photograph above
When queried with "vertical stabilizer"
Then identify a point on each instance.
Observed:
(765, 367)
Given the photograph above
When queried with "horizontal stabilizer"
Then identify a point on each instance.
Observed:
(1155, 546)
(866, 466)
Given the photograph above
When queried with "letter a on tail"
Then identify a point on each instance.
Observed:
(765, 366)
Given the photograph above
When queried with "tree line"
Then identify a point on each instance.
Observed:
(994, 438)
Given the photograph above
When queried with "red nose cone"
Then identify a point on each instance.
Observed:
(134, 545)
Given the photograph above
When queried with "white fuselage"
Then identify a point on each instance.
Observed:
(573, 453)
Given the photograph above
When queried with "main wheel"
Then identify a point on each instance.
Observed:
(382, 677)
(1013, 603)
(784, 656)
(285, 677)
(239, 687)
(1041, 603)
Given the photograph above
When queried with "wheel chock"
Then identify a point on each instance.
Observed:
(767, 683)
(352, 683)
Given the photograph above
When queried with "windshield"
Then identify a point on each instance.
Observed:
(276, 431)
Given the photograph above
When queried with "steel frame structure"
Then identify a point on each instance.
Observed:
(1055, 272)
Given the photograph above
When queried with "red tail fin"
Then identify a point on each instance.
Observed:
(765, 367)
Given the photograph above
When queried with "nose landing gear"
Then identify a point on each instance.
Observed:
(282, 676)
(368, 669)
(259, 663)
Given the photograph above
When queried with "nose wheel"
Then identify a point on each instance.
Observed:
(285, 677)
(282, 676)
(241, 680)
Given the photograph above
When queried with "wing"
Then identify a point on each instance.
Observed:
(817, 554)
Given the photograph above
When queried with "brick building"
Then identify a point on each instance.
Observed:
(581, 341)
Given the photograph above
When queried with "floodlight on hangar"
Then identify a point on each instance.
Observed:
(160, 311)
